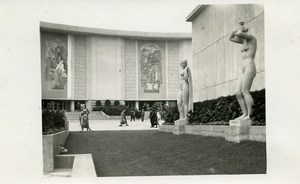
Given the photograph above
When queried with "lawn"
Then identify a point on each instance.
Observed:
(152, 153)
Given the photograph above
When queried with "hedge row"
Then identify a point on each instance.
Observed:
(107, 103)
(169, 115)
(53, 121)
(223, 109)
(112, 110)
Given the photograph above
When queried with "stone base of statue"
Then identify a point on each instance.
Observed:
(240, 123)
(237, 131)
(179, 126)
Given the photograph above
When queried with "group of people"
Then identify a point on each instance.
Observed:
(154, 117)
(84, 117)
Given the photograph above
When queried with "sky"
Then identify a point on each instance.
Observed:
(134, 15)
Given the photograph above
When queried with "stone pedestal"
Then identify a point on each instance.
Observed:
(179, 127)
(240, 123)
(237, 131)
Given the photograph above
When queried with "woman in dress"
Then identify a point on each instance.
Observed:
(84, 118)
(185, 96)
(247, 71)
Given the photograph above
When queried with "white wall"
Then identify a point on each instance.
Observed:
(105, 62)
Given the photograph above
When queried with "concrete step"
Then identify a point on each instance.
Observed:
(59, 173)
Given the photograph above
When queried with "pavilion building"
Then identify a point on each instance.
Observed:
(83, 65)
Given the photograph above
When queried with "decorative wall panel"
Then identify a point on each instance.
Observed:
(80, 67)
(54, 67)
(130, 69)
(151, 69)
(173, 70)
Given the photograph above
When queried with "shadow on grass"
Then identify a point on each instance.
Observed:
(153, 153)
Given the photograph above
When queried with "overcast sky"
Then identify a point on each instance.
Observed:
(132, 15)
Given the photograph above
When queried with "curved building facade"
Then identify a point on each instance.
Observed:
(83, 65)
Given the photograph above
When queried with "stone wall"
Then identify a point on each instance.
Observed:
(51, 148)
(231, 133)
(216, 60)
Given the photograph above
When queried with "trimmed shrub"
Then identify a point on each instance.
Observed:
(98, 103)
(157, 106)
(224, 109)
(117, 103)
(53, 121)
(97, 108)
(112, 110)
(107, 102)
(169, 115)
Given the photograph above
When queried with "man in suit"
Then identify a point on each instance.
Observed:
(153, 118)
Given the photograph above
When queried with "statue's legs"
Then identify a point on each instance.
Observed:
(185, 101)
(179, 104)
(239, 96)
(248, 77)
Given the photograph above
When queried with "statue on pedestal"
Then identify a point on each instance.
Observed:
(247, 70)
(185, 96)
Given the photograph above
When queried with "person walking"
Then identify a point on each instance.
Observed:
(153, 118)
(123, 118)
(142, 115)
(132, 115)
(158, 118)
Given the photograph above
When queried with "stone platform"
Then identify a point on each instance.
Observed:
(240, 123)
(238, 130)
(179, 127)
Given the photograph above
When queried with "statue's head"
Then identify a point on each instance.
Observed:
(241, 27)
(183, 63)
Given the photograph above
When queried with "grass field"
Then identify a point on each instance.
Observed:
(152, 153)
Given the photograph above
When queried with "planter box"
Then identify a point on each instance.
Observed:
(206, 130)
(166, 128)
(257, 133)
(231, 133)
(51, 147)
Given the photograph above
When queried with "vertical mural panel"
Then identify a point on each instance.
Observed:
(152, 70)
(173, 69)
(130, 69)
(80, 67)
(54, 58)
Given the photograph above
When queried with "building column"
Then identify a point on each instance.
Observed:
(72, 106)
(137, 105)
(89, 104)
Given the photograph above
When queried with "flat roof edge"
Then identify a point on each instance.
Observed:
(47, 26)
(195, 12)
